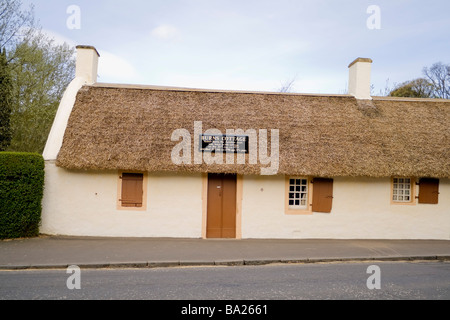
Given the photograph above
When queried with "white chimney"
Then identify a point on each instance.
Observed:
(87, 63)
(359, 78)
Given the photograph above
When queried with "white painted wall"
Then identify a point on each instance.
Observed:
(78, 203)
(361, 210)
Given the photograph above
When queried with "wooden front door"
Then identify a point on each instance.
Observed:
(221, 207)
(322, 195)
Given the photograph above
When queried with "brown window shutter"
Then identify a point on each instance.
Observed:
(132, 190)
(322, 195)
(429, 191)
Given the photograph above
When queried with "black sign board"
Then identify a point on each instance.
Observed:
(224, 143)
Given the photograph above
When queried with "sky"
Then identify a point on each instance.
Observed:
(255, 45)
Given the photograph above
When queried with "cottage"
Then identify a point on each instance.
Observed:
(148, 161)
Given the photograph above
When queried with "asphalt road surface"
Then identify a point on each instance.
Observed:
(335, 281)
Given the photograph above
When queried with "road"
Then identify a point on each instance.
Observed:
(335, 281)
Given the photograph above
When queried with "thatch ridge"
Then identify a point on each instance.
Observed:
(123, 128)
(170, 88)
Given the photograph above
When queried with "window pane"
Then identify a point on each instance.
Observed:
(401, 191)
(298, 192)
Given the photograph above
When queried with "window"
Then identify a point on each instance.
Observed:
(298, 193)
(429, 191)
(402, 190)
(307, 195)
(131, 191)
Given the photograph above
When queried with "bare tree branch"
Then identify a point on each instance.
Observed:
(15, 23)
(439, 76)
(288, 85)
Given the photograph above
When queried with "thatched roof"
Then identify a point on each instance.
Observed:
(130, 128)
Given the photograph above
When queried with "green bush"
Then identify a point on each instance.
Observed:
(21, 191)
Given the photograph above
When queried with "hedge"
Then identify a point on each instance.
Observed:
(21, 191)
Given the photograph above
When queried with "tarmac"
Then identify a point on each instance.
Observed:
(55, 252)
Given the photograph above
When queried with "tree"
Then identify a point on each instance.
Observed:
(40, 71)
(5, 102)
(15, 24)
(439, 76)
(434, 84)
(417, 88)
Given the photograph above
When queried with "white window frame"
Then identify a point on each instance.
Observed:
(298, 192)
(403, 190)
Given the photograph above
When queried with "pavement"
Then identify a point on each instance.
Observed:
(52, 252)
